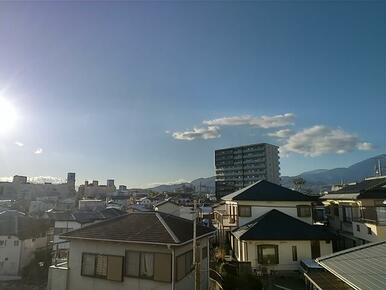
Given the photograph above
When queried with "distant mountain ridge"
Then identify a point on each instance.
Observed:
(320, 178)
(316, 180)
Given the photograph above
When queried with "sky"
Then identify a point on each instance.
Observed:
(144, 92)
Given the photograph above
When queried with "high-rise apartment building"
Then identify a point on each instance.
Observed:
(238, 167)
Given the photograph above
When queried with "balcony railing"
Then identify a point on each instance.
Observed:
(372, 214)
(220, 217)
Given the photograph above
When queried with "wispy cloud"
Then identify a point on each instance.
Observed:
(36, 179)
(211, 132)
(38, 151)
(284, 133)
(44, 179)
(178, 181)
(213, 129)
(18, 143)
(319, 140)
(259, 121)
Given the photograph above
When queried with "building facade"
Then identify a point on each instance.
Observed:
(238, 167)
(146, 251)
(271, 227)
(20, 188)
(20, 238)
(357, 212)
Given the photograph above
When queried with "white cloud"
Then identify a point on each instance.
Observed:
(210, 132)
(284, 133)
(38, 151)
(319, 140)
(43, 179)
(365, 146)
(36, 179)
(18, 143)
(262, 121)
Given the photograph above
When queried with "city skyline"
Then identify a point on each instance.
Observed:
(146, 92)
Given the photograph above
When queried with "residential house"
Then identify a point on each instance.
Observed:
(357, 212)
(68, 221)
(170, 207)
(361, 267)
(20, 237)
(142, 251)
(271, 227)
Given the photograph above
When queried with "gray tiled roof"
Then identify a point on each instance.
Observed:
(14, 223)
(362, 267)
(369, 188)
(267, 191)
(141, 227)
(86, 216)
(276, 225)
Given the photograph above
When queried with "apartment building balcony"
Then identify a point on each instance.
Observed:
(371, 225)
(222, 220)
(373, 214)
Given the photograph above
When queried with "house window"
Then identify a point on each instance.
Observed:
(132, 263)
(294, 253)
(154, 266)
(347, 214)
(16, 243)
(102, 266)
(236, 246)
(184, 265)
(147, 265)
(304, 210)
(268, 254)
(244, 211)
(3, 243)
(88, 265)
(369, 231)
(358, 228)
(335, 209)
(204, 253)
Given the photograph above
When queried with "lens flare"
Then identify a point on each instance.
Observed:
(8, 116)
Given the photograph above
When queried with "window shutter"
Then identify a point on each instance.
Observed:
(162, 267)
(115, 268)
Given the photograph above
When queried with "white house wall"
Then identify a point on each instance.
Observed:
(76, 281)
(258, 208)
(285, 253)
(10, 257)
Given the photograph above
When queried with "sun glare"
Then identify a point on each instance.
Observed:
(8, 116)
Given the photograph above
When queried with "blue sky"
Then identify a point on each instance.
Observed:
(142, 91)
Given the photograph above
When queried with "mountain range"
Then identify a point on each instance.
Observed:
(315, 180)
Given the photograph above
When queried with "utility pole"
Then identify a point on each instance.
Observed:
(196, 253)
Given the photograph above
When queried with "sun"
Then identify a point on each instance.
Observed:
(8, 116)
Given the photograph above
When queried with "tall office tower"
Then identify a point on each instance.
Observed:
(238, 167)
(110, 183)
(71, 177)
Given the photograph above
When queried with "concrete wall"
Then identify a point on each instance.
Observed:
(14, 257)
(76, 281)
(378, 233)
(57, 278)
(10, 256)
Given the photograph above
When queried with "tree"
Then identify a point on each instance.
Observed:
(298, 183)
